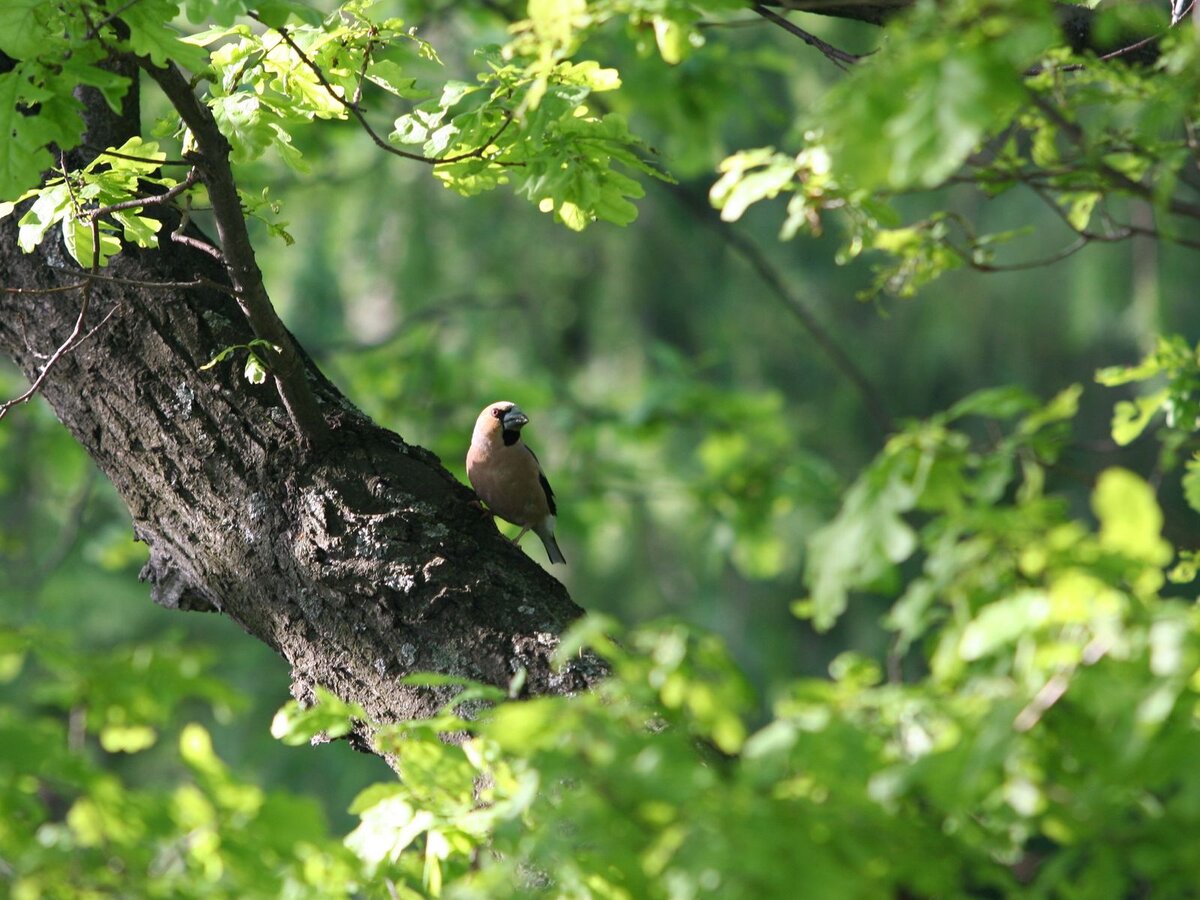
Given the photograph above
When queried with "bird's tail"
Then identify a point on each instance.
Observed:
(551, 546)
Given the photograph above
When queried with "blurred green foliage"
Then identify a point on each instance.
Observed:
(1046, 748)
(1011, 704)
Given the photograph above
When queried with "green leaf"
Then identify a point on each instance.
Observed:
(23, 152)
(151, 34)
(247, 122)
(135, 146)
(962, 74)
(196, 748)
(1078, 208)
(256, 369)
(372, 795)
(1130, 519)
(387, 828)
(1064, 405)
(1191, 483)
(748, 177)
(1112, 376)
(862, 544)
(1152, 365)
(224, 354)
(592, 632)
(50, 207)
(674, 39)
(23, 27)
(394, 79)
(127, 738)
(998, 403)
(1186, 568)
(79, 238)
(522, 725)
(554, 20)
(1001, 623)
(1130, 418)
(141, 230)
(329, 716)
(277, 12)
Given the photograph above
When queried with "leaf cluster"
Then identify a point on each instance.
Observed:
(74, 825)
(1043, 744)
(988, 98)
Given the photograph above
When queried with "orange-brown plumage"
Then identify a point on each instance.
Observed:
(507, 476)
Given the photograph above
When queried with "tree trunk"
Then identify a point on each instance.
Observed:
(359, 562)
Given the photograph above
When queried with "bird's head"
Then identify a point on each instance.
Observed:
(502, 419)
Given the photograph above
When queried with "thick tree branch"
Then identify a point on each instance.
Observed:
(358, 565)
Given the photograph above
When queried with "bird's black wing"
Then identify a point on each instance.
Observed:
(545, 484)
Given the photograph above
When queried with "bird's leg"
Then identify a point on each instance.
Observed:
(483, 510)
(517, 539)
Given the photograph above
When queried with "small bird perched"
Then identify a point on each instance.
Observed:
(508, 477)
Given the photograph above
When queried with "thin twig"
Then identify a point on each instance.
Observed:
(754, 256)
(1137, 45)
(1142, 231)
(198, 282)
(69, 343)
(1077, 135)
(839, 58)
(969, 258)
(1119, 231)
(362, 74)
(179, 237)
(1056, 686)
(95, 328)
(197, 244)
(111, 17)
(1112, 54)
(153, 200)
(62, 289)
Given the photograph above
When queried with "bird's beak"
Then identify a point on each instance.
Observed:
(514, 419)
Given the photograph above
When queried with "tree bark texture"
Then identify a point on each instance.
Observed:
(359, 561)
(359, 565)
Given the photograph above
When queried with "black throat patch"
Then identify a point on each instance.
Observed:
(511, 436)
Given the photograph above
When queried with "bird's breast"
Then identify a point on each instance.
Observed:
(507, 481)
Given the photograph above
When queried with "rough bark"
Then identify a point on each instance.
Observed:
(359, 565)
(359, 561)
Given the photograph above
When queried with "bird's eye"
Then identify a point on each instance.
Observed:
(498, 412)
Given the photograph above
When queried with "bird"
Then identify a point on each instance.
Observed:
(508, 477)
